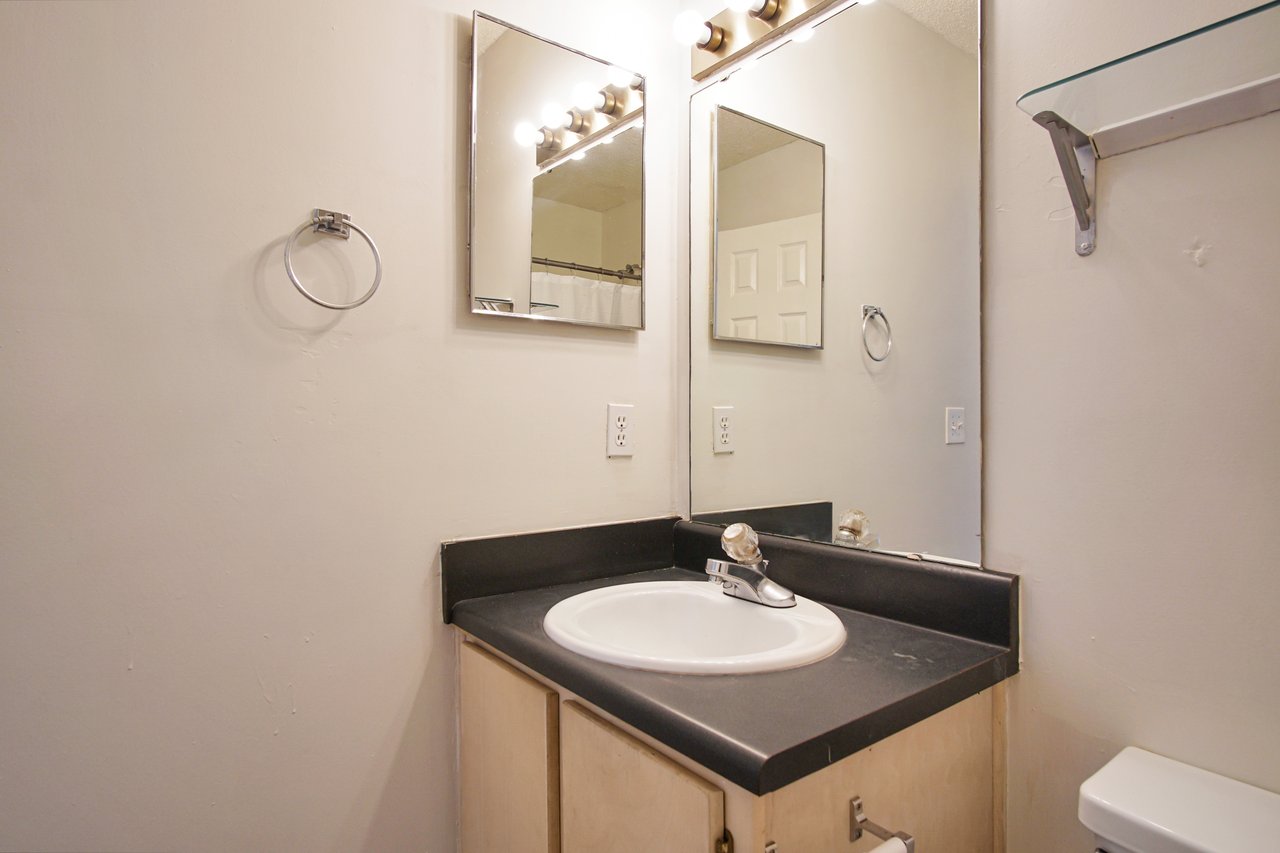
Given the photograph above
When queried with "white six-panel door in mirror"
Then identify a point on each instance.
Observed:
(768, 233)
(888, 93)
(774, 288)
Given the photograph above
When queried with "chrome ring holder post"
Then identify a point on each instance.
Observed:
(868, 313)
(338, 225)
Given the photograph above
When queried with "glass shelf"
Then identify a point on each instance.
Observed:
(1240, 52)
(1223, 73)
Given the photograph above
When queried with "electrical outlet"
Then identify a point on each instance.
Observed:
(722, 429)
(620, 431)
(955, 425)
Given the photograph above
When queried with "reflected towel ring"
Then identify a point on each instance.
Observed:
(869, 311)
(339, 225)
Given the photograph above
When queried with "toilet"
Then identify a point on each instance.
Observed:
(1141, 802)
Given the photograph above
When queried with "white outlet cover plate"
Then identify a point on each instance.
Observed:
(722, 429)
(955, 425)
(620, 438)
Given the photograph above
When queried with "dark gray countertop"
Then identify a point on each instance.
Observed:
(759, 731)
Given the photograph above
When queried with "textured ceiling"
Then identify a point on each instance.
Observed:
(608, 176)
(739, 138)
(487, 32)
(954, 20)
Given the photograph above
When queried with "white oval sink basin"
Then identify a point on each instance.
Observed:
(692, 627)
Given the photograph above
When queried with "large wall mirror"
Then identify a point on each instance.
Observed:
(557, 182)
(884, 417)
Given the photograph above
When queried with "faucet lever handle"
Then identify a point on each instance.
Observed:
(741, 543)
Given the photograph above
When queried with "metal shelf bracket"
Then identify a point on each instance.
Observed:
(1079, 164)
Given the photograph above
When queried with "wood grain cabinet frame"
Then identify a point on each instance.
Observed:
(509, 756)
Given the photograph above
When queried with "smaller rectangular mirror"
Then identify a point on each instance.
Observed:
(768, 233)
(557, 182)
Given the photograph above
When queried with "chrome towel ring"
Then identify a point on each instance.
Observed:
(338, 225)
(869, 311)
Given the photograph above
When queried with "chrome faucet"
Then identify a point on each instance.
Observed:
(745, 577)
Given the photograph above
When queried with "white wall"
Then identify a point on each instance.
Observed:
(902, 232)
(622, 239)
(502, 212)
(783, 183)
(563, 231)
(221, 506)
(1131, 469)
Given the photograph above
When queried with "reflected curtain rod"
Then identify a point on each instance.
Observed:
(567, 265)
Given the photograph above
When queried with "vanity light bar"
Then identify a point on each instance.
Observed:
(579, 150)
(747, 28)
(765, 10)
(609, 101)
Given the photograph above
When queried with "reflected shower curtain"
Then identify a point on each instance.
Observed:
(586, 299)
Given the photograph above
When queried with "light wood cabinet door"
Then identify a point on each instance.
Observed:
(620, 796)
(509, 756)
(933, 780)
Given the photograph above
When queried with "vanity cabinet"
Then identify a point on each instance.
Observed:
(509, 754)
(541, 771)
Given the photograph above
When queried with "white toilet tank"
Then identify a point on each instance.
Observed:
(1145, 803)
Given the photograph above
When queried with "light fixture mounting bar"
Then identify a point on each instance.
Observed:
(743, 33)
(627, 122)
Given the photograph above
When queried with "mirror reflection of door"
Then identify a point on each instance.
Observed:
(769, 223)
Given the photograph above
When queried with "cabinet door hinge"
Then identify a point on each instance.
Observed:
(725, 845)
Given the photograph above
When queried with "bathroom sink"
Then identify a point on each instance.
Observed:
(692, 627)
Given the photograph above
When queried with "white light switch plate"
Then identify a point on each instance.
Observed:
(620, 431)
(722, 429)
(955, 425)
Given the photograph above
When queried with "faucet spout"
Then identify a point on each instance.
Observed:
(749, 583)
(746, 578)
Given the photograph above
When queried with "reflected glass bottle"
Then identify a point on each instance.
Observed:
(854, 531)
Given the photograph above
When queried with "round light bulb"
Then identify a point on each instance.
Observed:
(554, 115)
(587, 97)
(527, 135)
(691, 28)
